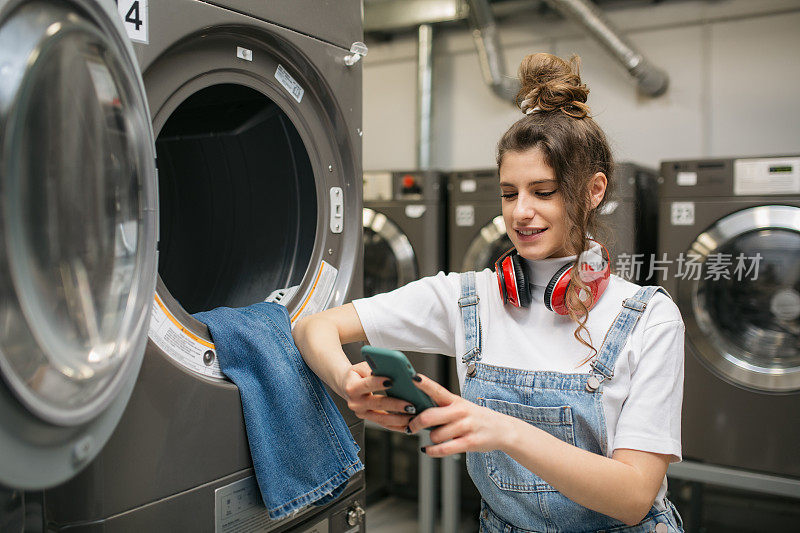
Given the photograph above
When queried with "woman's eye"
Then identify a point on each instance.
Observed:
(545, 194)
(508, 195)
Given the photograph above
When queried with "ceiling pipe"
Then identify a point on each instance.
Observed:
(424, 95)
(652, 80)
(490, 54)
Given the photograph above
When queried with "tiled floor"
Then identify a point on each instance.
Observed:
(396, 515)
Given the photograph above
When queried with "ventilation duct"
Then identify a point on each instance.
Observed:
(652, 80)
(490, 54)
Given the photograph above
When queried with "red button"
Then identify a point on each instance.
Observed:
(408, 181)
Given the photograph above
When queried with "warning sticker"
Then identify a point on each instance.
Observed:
(320, 293)
(191, 351)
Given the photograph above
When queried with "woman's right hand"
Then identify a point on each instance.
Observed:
(360, 386)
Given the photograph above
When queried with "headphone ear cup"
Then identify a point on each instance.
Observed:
(498, 270)
(523, 289)
(598, 286)
(563, 275)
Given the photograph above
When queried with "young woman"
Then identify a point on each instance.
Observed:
(570, 408)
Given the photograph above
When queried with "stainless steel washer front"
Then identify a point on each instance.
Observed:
(259, 162)
(730, 229)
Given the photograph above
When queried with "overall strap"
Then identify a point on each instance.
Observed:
(620, 330)
(468, 304)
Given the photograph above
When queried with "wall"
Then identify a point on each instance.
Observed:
(734, 78)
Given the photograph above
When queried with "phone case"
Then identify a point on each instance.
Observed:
(395, 365)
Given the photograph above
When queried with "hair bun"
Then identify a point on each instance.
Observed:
(549, 83)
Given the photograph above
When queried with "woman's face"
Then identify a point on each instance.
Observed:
(533, 207)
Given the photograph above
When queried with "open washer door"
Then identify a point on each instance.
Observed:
(78, 234)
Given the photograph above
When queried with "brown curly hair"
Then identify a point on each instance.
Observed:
(575, 148)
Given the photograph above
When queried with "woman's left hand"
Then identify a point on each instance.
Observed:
(463, 425)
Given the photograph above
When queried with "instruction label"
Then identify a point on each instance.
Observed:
(191, 351)
(238, 508)
(289, 83)
(319, 295)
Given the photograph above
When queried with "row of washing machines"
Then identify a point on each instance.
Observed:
(721, 235)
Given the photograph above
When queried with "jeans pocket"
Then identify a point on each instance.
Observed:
(676, 516)
(507, 473)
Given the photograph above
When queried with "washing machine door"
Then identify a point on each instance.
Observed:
(389, 260)
(78, 234)
(742, 308)
(491, 242)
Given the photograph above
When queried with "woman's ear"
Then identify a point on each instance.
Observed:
(597, 189)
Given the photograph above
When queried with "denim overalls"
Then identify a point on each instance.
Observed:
(568, 406)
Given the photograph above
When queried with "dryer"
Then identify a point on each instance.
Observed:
(738, 221)
(256, 111)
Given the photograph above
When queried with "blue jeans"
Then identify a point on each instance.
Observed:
(303, 452)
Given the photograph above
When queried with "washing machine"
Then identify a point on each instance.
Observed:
(255, 110)
(631, 220)
(731, 228)
(404, 237)
(478, 233)
(404, 240)
(78, 235)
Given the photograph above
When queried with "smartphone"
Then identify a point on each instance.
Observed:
(395, 366)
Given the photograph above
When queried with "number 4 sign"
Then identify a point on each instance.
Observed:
(134, 16)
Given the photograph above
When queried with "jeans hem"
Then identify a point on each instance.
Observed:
(317, 493)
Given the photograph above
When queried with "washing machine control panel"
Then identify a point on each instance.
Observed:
(763, 176)
(766, 176)
(418, 185)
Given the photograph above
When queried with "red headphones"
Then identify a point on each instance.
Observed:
(514, 288)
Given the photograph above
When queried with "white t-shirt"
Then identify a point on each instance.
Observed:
(641, 403)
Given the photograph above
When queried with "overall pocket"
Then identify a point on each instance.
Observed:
(507, 473)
